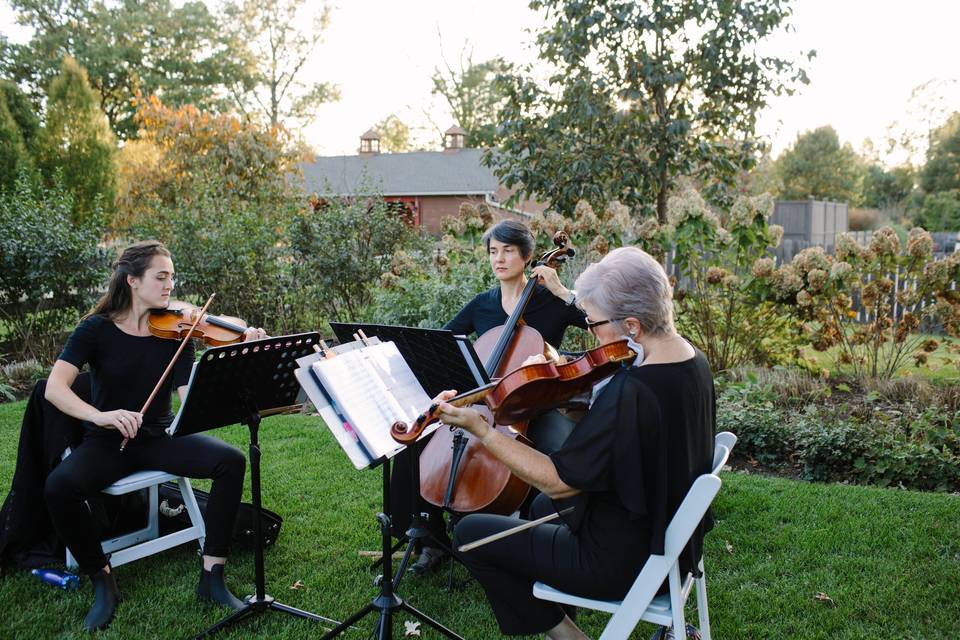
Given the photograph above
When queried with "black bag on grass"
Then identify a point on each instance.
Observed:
(174, 517)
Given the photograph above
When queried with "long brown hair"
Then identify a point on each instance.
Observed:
(134, 261)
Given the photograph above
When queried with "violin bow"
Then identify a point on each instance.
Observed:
(183, 343)
(470, 546)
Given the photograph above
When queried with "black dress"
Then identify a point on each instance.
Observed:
(547, 314)
(633, 456)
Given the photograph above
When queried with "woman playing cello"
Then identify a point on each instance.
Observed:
(510, 246)
(126, 362)
(625, 469)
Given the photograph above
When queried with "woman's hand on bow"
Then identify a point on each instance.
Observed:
(126, 422)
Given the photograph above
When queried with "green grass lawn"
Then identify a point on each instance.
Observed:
(888, 559)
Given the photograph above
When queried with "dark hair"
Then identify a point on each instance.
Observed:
(511, 232)
(134, 261)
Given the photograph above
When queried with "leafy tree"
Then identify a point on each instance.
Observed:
(157, 47)
(816, 166)
(641, 93)
(473, 96)
(77, 141)
(278, 50)
(13, 153)
(182, 149)
(394, 134)
(942, 170)
(22, 112)
(884, 189)
(939, 211)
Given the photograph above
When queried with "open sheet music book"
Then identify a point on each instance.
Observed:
(364, 391)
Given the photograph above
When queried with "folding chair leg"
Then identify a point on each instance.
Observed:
(702, 612)
(190, 502)
(676, 603)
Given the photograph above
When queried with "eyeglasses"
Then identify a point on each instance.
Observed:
(591, 324)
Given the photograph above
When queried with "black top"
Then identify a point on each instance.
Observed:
(545, 312)
(125, 368)
(637, 452)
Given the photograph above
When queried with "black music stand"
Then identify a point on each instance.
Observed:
(439, 360)
(387, 600)
(244, 383)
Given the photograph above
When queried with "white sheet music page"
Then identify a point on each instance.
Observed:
(374, 387)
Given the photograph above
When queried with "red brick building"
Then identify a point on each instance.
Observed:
(430, 184)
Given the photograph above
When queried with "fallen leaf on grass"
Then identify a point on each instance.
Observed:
(297, 585)
(822, 597)
(729, 547)
(411, 629)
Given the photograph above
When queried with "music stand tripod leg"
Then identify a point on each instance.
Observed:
(387, 601)
(259, 601)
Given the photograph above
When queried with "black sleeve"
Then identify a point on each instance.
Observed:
(81, 347)
(181, 370)
(584, 460)
(462, 324)
(617, 447)
(575, 317)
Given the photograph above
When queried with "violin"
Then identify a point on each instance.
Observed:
(530, 390)
(175, 323)
(456, 472)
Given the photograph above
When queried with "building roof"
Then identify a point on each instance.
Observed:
(417, 173)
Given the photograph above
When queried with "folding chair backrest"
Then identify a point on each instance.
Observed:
(654, 572)
(720, 455)
(726, 439)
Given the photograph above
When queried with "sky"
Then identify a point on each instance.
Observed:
(871, 55)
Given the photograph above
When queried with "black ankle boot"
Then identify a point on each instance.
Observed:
(105, 599)
(211, 588)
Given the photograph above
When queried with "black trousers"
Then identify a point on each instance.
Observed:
(548, 432)
(98, 462)
(551, 553)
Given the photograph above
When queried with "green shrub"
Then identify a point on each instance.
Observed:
(748, 410)
(225, 246)
(862, 438)
(17, 378)
(339, 250)
(50, 268)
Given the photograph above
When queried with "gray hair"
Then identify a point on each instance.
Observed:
(629, 283)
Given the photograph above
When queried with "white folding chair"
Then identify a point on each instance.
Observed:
(642, 602)
(726, 439)
(147, 541)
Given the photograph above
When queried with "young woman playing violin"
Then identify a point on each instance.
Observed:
(625, 468)
(126, 362)
(510, 246)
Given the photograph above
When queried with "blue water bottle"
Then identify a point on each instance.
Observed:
(62, 579)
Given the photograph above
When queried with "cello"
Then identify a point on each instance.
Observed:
(456, 473)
